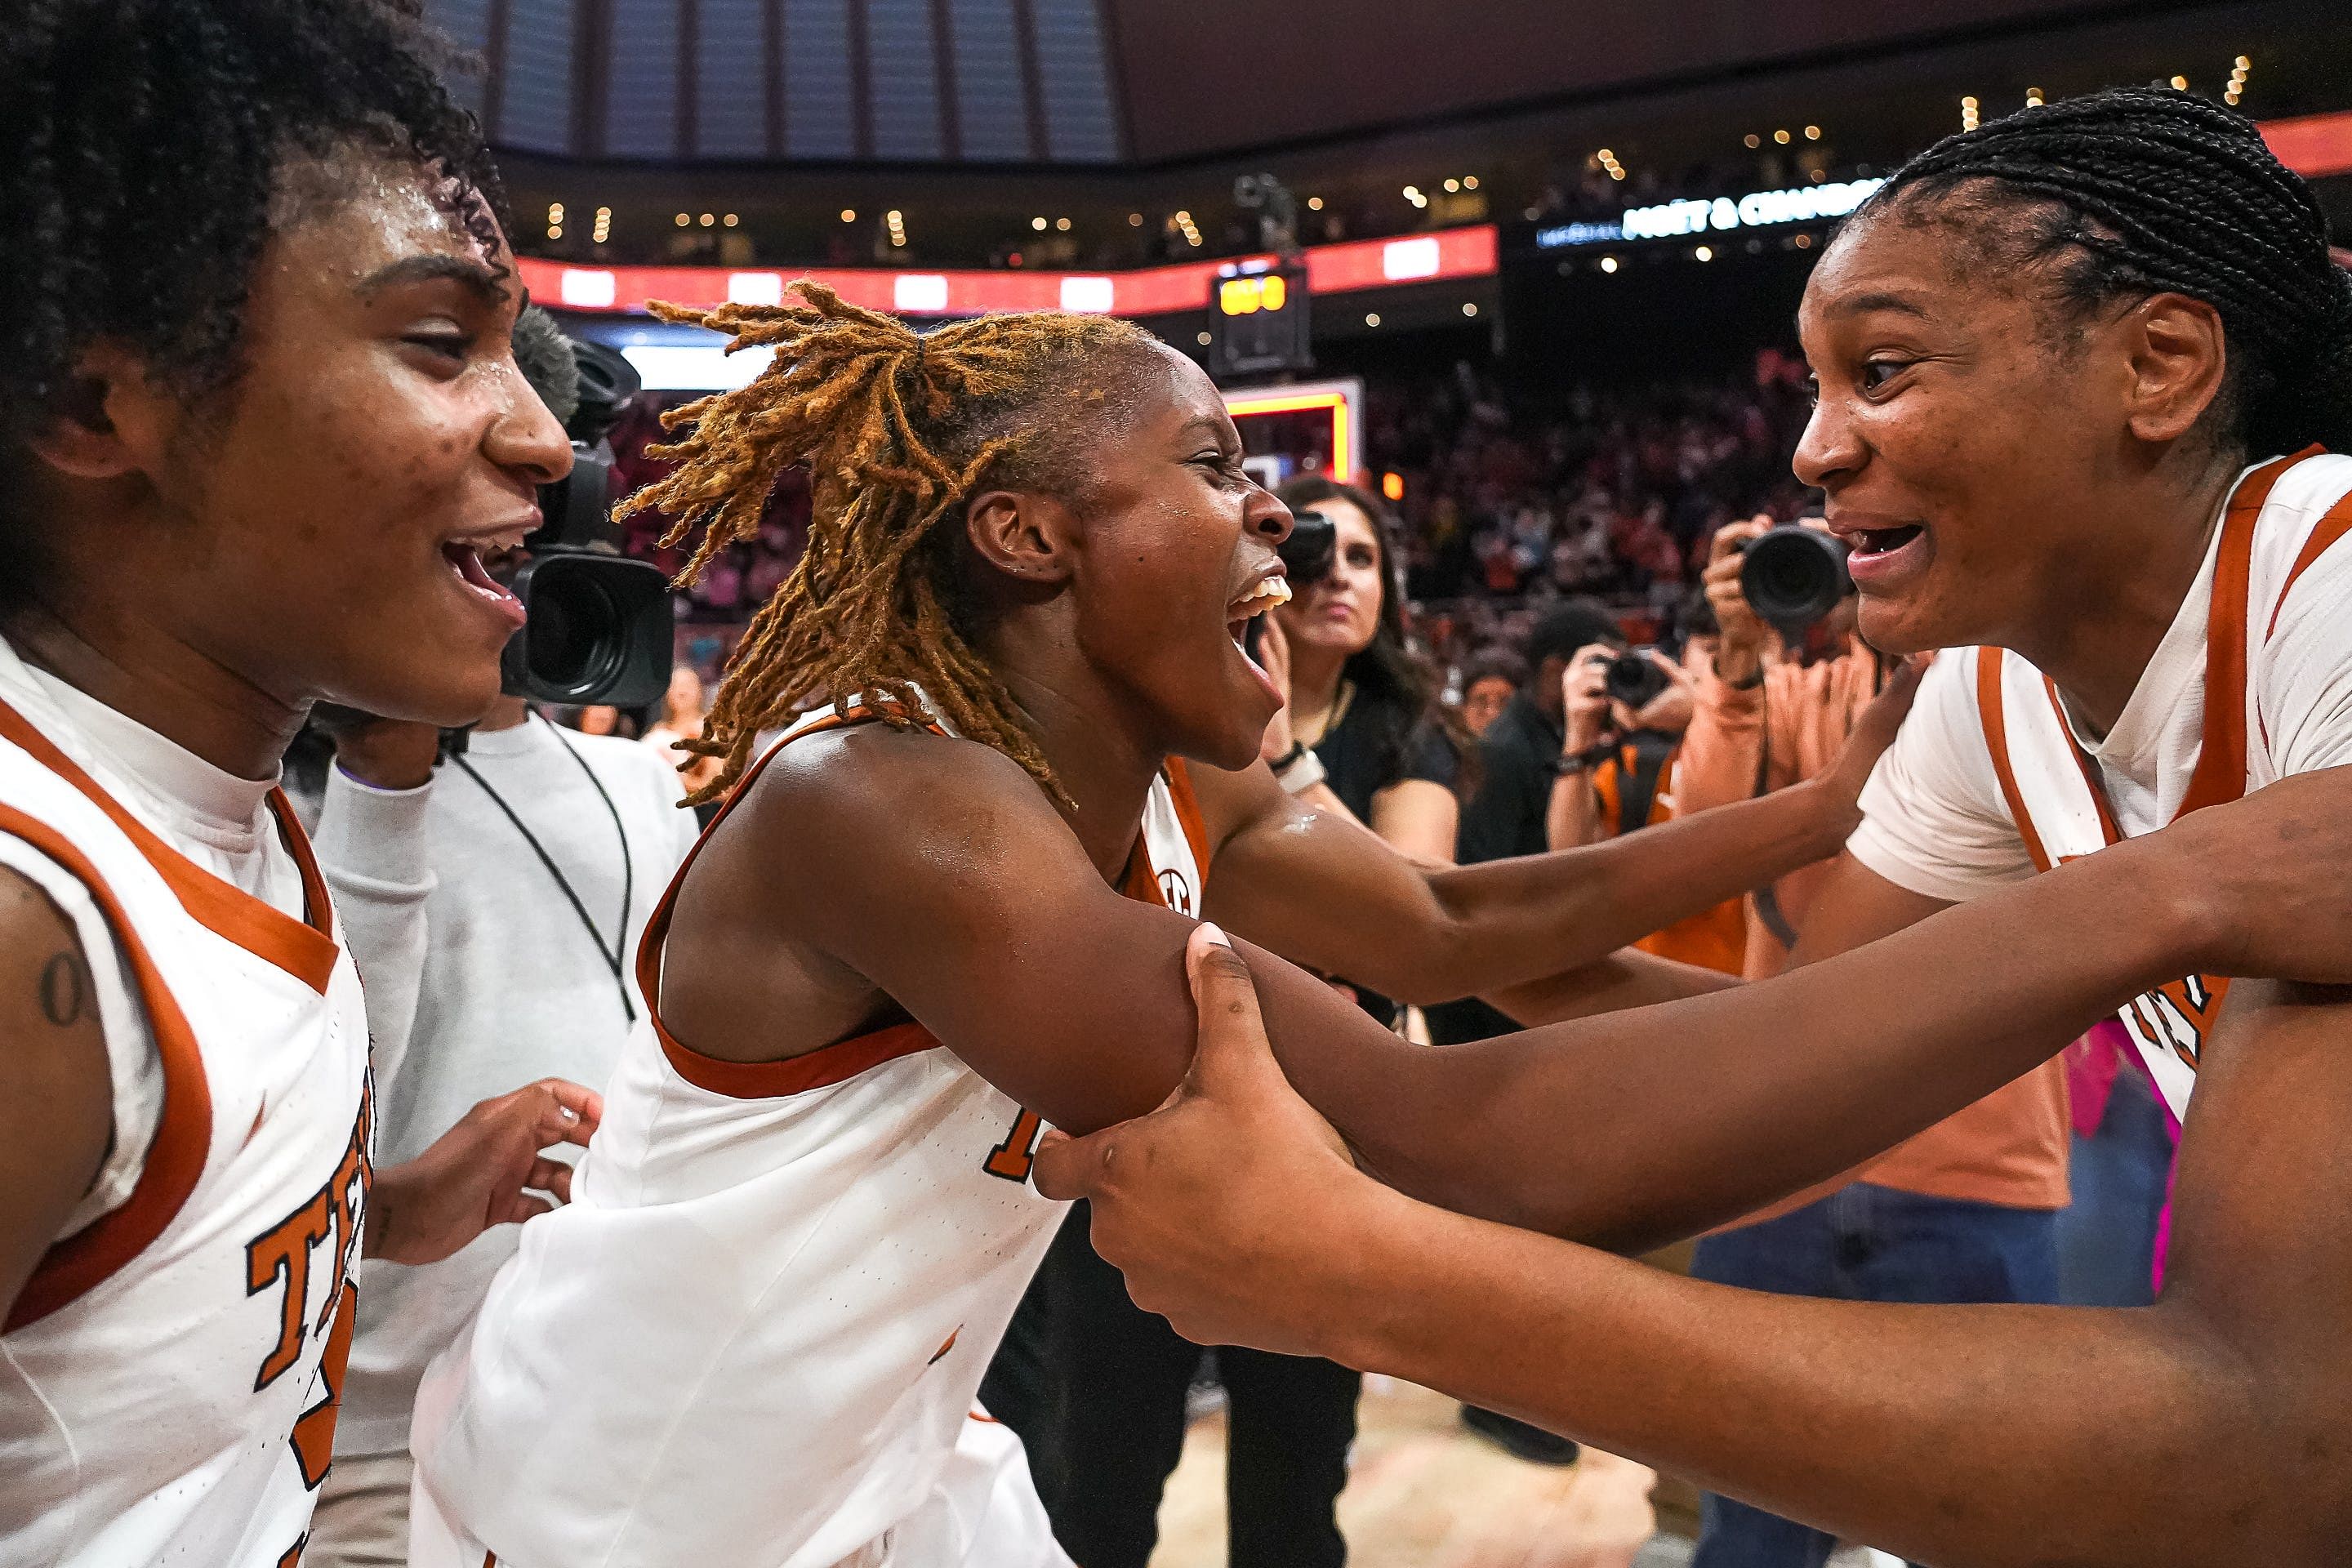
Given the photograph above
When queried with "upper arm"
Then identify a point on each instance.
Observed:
(939, 872)
(1855, 906)
(56, 1114)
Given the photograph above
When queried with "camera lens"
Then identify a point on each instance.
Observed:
(1634, 679)
(576, 632)
(1307, 553)
(1793, 576)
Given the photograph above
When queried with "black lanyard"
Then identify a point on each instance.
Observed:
(614, 956)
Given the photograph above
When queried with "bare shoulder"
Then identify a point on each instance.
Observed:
(44, 978)
(56, 1102)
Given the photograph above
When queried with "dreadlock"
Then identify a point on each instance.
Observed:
(898, 432)
(143, 149)
(2136, 191)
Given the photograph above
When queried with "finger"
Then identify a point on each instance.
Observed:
(1069, 1168)
(519, 1207)
(1233, 1052)
(564, 1112)
(549, 1176)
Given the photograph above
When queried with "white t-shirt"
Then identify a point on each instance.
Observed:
(219, 821)
(1934, 818)
(510, 987)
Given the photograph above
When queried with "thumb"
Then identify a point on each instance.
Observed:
(1232, 1051)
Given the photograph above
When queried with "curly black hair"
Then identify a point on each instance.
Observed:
(141, 148)
(2138, 191)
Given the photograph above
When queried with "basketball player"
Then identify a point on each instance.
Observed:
(256, 414)
(756, 1334)
(2072, 369)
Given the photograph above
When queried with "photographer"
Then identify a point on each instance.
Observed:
(1966, 1211)
(1625, 713)
(537, 855)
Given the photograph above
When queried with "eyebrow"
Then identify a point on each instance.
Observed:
(1859, 304)
(478, 279)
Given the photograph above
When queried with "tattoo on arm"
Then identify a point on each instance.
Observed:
(65, 988)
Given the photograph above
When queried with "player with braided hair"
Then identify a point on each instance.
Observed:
(2075, 369)
(950, 907)
(258, 415)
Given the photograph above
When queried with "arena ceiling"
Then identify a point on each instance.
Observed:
(1121, 83)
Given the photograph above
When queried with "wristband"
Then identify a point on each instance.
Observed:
(1300, 770)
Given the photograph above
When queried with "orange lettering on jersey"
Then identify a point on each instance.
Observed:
(314, 1433)
(283, 1253)
(1012, 1158)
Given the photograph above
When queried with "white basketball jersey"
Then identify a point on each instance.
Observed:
(2055, 794)
(755, 1336)
(168, 1377)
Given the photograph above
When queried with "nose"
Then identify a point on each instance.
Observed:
(526, 439)
(1831, 447)
(1265, 516)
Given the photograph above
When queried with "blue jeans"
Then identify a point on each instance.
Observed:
(1866, 1243)
(2106, 1242)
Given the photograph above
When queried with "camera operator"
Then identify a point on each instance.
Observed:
(538, 855)
(1966, 1211)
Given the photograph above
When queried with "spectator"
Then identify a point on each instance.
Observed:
(1967, 1211)
(1488, 683)
(681, 720)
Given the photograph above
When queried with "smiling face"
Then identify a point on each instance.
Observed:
(1341, 611)
(312, 527)
(1175, 553)
(1961, 436)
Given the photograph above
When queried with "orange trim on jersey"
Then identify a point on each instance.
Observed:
(2109, 830)
(2221, 774)
(1188, 813)
(1996, 733)
(304, 949)
(2331, 527)
(73, 1267)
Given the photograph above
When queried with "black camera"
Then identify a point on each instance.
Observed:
(1634, 678)
(1306, 558)
(1793, 576)
(597, 626)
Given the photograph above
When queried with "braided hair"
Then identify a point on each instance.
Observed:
(898, 431)
(145, 146)
(2138, 191)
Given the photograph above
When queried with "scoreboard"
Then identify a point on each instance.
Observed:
(1258, 319)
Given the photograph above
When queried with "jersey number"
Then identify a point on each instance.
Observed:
(1012, 1158)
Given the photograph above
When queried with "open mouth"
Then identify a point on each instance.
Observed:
(465, 561)
(1249, 606)
(1869, 541)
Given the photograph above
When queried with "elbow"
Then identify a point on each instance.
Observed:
(1435, 965)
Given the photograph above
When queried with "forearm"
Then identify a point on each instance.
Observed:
(1988, 1435)
(1626, 978)
(1772, 1086)
(1506, 922)
(1572, 816)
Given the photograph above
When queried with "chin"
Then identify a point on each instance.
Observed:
(445, 698)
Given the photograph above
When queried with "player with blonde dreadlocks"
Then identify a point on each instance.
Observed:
(905, 946)
(897, 430)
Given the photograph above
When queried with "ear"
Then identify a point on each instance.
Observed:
(108, 421)
(2176, 358)
(1029, 536)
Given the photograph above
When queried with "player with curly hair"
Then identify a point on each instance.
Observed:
(258, 415)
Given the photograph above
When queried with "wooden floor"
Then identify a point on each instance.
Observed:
(1425, 1493)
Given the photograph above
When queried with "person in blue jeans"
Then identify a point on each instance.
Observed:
(1866, 1243)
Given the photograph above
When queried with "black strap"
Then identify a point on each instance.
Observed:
(1641, 762)
(614, 956)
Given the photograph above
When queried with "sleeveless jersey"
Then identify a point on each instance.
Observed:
(2054, 792)
(168, 1374)
(755, 1336)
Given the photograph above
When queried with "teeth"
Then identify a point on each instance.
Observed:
(1272, 591)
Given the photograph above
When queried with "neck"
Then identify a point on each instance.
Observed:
(1105, 769)
(505, 714)
(2094, 647)
(143, 672)
(1315, 674)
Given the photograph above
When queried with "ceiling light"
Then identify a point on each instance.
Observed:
(1203, 339)
(1803, 242)
(707, 219)
(1372, 318)
(1967, 114)
(1704, 253)
(1315, 204)
(2181, 82)
(1752, 140)
(555, 212)
(1608, 264)
(2033, 97)
(1453, 185)
(1781, 137)
(683, 220)
(1469, 182)
(1062, 223)
(555, 231)
(1135, 220)
(729, 220)
(1813, 132)
(1469, 307)
(1039, 224)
